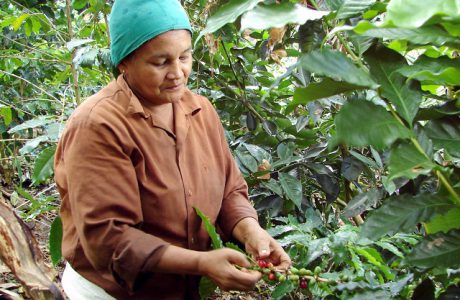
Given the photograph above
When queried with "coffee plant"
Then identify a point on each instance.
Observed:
(343, 116)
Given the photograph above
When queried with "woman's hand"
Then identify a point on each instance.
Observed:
(260, 244)
(221, 266)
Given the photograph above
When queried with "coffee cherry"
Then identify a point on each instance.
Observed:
(294, 270)
(293, 278)
(317, 270)
(303, 284)
(282, 278)
(305, 272)
(272, 276)
(262, 263)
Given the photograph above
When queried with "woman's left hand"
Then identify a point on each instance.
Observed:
(260, 244)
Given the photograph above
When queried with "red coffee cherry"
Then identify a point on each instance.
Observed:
(303, 284)
(262, 263)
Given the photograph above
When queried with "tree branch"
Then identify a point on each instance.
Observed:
(71, 35)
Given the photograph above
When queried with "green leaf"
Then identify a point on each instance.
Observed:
(437, 250)
(55, 241)
(402, 213)
(437, 112)
(352, 8)
(278, 15)
(28, 27)
(75, 43)
(273, 186)
(374, 295)
(292, 187)
(318, 90)
(36, 24)
(373, 257)
(362, 202)
(43, 168)
(445, 134)
(419, 36)
(362, 123)
(285, 150)
(337, 66)
(444, 223)
(406, 96)
(415, 13)
(283, 289)
(366, 160)
(258, 152)
(79, 4)
(317, 247)
(441, 70)
(452, 28)
(396, 287)
(302, 121)
(227, 13)
(351, 168)
(215, 238)
(30, 145)
(390, 247)
(206, 287)
(234, 247)
(7, 114)
(19, 21)
(407, 161)
(40, 121)
(247, 160)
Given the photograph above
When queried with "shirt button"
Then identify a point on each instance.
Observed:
(189, 192)
(192, 240)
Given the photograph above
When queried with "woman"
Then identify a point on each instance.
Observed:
(136, 159)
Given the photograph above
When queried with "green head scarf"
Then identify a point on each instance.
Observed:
(134, 22)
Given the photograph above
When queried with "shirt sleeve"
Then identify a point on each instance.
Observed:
(105, 202)
(235, 204)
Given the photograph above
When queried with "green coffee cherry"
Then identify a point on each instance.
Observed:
(282, 278)
(294, 270)
(343, 277)
(317, 270)
(294, 278)
(305, 272)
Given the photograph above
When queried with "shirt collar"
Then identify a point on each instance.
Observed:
(189, 102)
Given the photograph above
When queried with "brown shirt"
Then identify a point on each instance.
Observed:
(129, 187)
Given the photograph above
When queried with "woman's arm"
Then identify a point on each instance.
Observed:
(219, 265)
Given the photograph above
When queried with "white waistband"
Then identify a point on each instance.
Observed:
(77, 287)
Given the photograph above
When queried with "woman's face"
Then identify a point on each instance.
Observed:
(158, 71)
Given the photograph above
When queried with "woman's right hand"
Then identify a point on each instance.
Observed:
(220, 266)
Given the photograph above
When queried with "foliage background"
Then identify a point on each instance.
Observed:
(343, 116)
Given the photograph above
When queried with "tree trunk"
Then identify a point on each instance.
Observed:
(20, 252)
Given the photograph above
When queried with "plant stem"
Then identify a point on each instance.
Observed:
(449, 187)
(245, 101)
(32, 84)
(35, 49)
(349, 51)
(106, 21)
(417, 145)
(71, 36)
